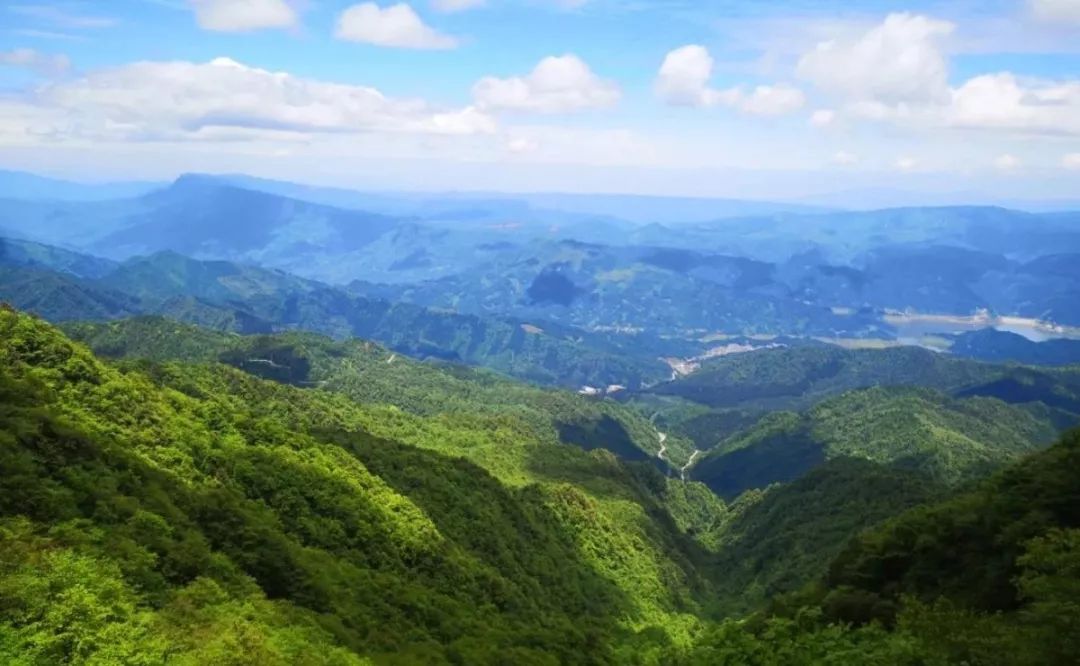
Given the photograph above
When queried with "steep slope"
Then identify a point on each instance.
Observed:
(988, 577)
(968, 548)
(35, 255)
(370, 373)
(59, 297)
(949, 440)
(775, 541)
(177, 494)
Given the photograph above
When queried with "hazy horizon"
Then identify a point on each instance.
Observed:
(783, 101)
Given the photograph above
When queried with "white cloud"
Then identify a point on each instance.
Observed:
(397, 26)
(219, 100)
(822, 117)
(896, 72)
(897, 61)
(683, 80)
(40, 63)
(1056, 11)
(1071, 161)
(558, 84)
(1006, 162)
(774, 100)
(1003, 102)
(844, 158)
(243, 15)
(905, 163)
(449, 6)
(684, 77)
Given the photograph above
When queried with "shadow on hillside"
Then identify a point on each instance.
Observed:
(774, 459)
(512, 533)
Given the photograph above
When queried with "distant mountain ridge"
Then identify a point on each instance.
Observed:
(248, 299)
(33, 187)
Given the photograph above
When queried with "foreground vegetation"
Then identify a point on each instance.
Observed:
(222, 499)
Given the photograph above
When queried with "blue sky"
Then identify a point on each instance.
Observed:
(763, 100)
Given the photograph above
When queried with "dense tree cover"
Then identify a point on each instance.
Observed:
(733, 392)
(950, 440)
(704, 426)
(248, 299)
(196, 512)
(968, 548)
(990, 577)
(370, 373)
(777, 540)
(331, 528)
(797, 377)
(56, 296)
(993, 345)
(27, 253)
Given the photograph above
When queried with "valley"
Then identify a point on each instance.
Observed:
(539, 333)
(414, 434)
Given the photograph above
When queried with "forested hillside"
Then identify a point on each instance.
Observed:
(539, 333)
(248, 299)
(947, 439)
(229, 495)
(988, 577)
(189, 495)
(368, 372)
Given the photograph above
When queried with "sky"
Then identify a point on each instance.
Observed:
(782, 100)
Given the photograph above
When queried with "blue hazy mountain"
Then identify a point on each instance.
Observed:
(551, 206)
(32, 187)
(243, 298)
(37, 255)
(992, 345)
(201, 217)
(822, 273)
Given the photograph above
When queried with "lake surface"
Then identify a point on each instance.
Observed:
(912, 329)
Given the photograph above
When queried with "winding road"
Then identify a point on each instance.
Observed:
(682, 470)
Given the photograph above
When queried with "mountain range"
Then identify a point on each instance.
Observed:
(253, 421)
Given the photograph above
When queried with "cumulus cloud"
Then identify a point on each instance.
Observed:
(219, 100)
(684, 77)
(558, 84)
(898, 61)
(43, 64)
(449, 6)
(1002, 101)
(896, 72)
(243, 15)
(683, 80)
(397, 26)
(1056, 11)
